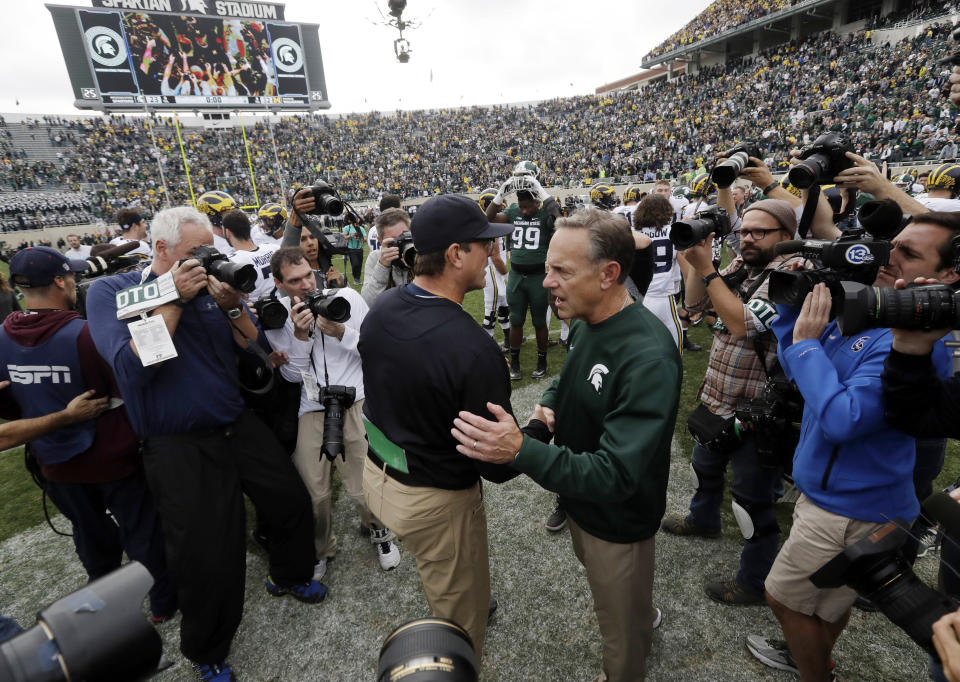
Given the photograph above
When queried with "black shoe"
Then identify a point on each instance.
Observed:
(682, 525)
(515, 374)
(557, 520)
(494, 605)
(690, 345)
(539, 372)
(732, 592)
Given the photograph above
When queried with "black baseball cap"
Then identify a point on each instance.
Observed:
(451, 219)
(36, 266)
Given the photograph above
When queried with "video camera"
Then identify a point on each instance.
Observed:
(926, 307)
(96, 633)
(856, 257)
(823, 159)
(686, 233)
(877, 570)
(727, 171)
(107, 262)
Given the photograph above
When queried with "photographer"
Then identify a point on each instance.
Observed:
(202, 450)
(384, 270)
(85, 451)
(852, 466)
(866, 177)
(322, 353)
(356, 234)
(414, 479)
(304, 203)
(742, 358)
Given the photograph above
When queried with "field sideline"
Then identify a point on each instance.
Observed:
(545, 628)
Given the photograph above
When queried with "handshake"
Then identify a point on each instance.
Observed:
(521, 183)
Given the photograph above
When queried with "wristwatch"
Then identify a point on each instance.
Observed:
(709, 278)
(234, 313)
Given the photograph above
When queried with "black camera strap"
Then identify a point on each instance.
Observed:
(809, 210)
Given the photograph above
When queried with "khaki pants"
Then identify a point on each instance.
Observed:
(621, 580)
(316, 470)
(446, 530)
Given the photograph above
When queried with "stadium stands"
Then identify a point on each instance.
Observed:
(885, 98)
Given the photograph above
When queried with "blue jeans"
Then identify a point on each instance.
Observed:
(753, 485)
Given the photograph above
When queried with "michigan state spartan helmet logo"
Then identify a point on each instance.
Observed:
(596, 375)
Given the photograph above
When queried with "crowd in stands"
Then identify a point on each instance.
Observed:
(721, 16)
(27, 211)
(884, 98)
(915, 12)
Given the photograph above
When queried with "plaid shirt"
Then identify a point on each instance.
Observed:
(734, 370)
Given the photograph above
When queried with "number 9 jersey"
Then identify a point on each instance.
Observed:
(531, 236)
(666, 270)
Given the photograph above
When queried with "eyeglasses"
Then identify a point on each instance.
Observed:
(755, 234)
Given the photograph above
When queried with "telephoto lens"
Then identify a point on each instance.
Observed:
(243, 278)
(932, 306)
(728, 170)
(428, 650)
(408, 252)
(336, 400)
(270, 311)
(327, 200)
(821, 161)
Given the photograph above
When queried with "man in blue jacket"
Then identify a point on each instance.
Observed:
(202, 450)
(854, 470)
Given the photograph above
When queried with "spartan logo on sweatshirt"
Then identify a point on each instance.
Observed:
(596, 375)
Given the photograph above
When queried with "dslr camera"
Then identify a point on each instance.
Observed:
(328, 304)
(727, 171)
(686, 233)
(773, 418)
(270, 311)
(335, 400)
(326, 199)
(243, 278)
(824, 158)
(408, 252)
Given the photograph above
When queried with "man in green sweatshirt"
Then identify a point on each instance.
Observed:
(611, 412)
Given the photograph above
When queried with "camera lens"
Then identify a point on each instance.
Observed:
(729, 170)
(243, 278)
(331, 205)
(434, 649)
(806, 175)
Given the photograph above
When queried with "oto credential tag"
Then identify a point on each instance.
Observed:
(152, 340)
(144, 297)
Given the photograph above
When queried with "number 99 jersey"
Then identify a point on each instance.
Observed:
(531, 236)
(666, 270)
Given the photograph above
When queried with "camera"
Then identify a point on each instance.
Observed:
(876, 569)
(821, 161)
(737, 158)
(428, 649)
(326, 199)
(270, 311)
(773, 418)
(243, 278)
(335, 400)
(853, 257)
(96, 633)
(686, 233)
(408, 252)
(926, 307)
(327, 304)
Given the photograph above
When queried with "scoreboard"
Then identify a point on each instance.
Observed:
(125, 55)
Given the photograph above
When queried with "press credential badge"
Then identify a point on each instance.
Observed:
(152, 340)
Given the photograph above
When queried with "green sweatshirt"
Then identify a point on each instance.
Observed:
(615, 403)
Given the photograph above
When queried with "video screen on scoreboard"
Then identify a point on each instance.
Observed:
(167, 59)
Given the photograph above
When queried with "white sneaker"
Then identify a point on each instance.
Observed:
(320, 569)
(387, 551)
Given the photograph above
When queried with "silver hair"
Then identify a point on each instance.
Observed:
(168, 223)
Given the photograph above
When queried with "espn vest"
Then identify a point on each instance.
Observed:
(43, 379)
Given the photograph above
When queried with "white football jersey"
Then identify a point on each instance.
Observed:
(259, 258)
(940, 204)
(666, 270)
(626, 212)
(143, 250)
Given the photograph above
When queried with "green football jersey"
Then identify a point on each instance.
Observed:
(531, 236)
